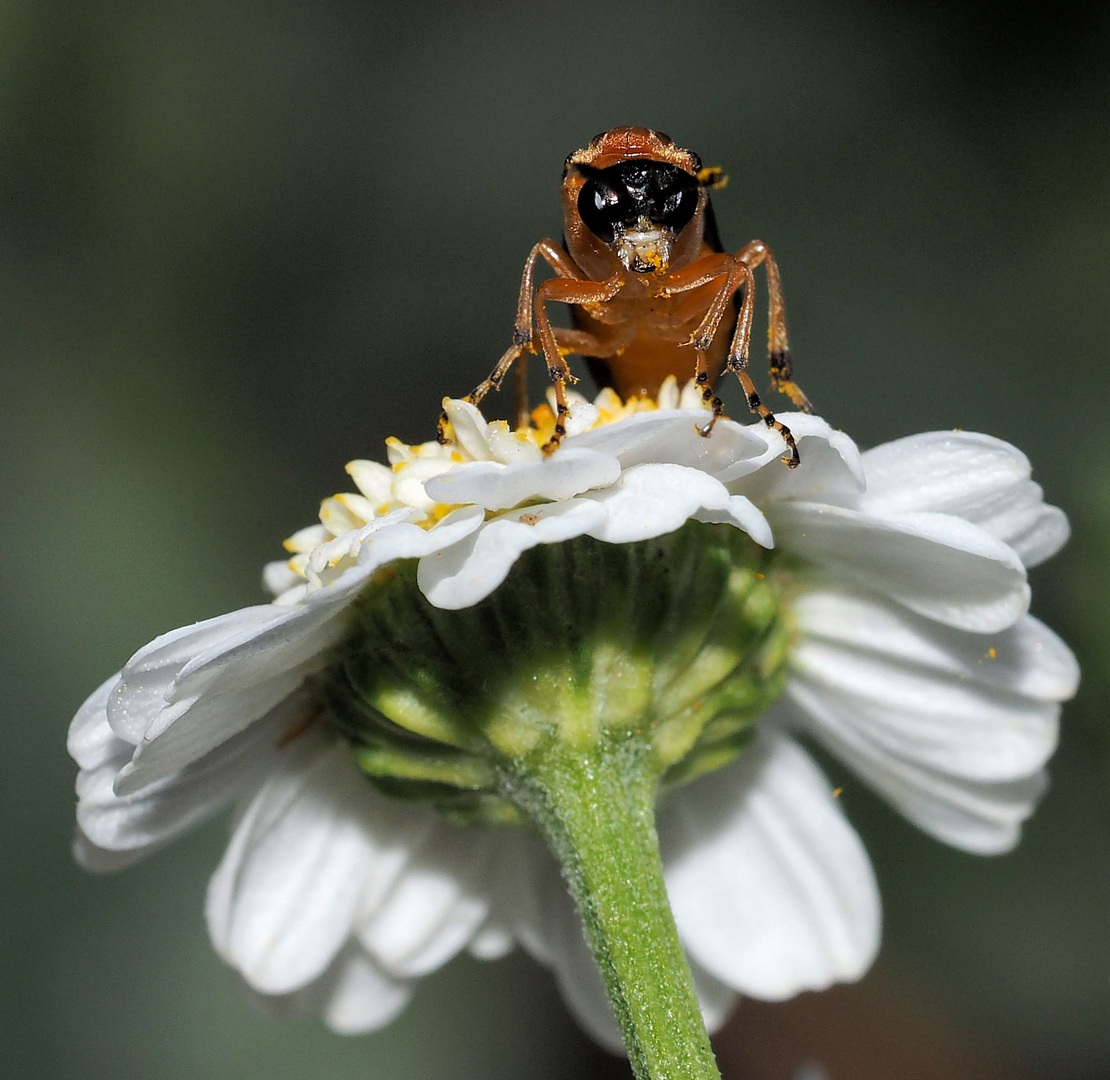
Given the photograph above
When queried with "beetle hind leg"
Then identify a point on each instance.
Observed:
(782, 379)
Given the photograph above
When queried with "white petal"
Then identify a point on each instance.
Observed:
(494, 486)
(932, 718)
(491, 942)
(771, 888)
(980, 817)
(830, 469)
(91, 741)
(289, 638)
(1037, 538)
(373, 479)
(361, 997)
(470, 428)
(279, 577)
(436, 903)
(511, 447)
(147, 678)
(98, 860)
(582, 416)
(408, 541)
(285, 896)
(1026, 659)
(156, 814)
(745, 515)
(187, 731)
(304, 540)
(937, 565)
(462, 575)
(1017, 515)
(652, 500)
(353, 996)
(672, 436)
(939, 471)
(979, 478)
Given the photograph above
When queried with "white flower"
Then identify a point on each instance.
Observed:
(915, 663)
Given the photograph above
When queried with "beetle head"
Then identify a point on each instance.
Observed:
(638, 207)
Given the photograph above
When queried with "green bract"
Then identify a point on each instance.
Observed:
(670, 648)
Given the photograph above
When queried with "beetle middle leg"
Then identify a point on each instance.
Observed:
(695, 276)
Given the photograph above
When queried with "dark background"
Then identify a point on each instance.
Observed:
(242, 243)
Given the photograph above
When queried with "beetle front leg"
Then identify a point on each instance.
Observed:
(493, 382)
(566, 292)
(563, 265)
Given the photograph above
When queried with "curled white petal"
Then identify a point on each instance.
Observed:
(495, 486)
(279, 577)
(830, 468)
(470, 429)
(91, 740)
(979, 478)
(1026, 659)
(673, 436)
(159, 812)
(652, 500)
(148, 677)
(983, 817)
(353, 995)
(461, 575)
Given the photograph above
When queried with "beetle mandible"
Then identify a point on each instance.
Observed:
(652, 291)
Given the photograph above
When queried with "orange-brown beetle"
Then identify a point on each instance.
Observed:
(651, 289)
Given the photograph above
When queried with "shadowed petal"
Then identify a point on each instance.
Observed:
(285, 896)
(771, 888)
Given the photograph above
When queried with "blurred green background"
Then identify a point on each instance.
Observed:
(243, 242)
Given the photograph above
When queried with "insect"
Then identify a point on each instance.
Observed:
(652, 292)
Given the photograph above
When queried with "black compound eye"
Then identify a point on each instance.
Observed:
(675, 204)
(603, 207)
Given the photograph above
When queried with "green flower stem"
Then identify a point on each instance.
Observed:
(597, 811)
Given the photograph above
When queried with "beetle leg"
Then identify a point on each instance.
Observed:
(522, 392)
(768, 417)
(563, 265)
(702, 272)
(493, 382)
(737, 363)
(562, 412)
(566, 292)
(701, 381)
(778, 347)
(739, 275)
